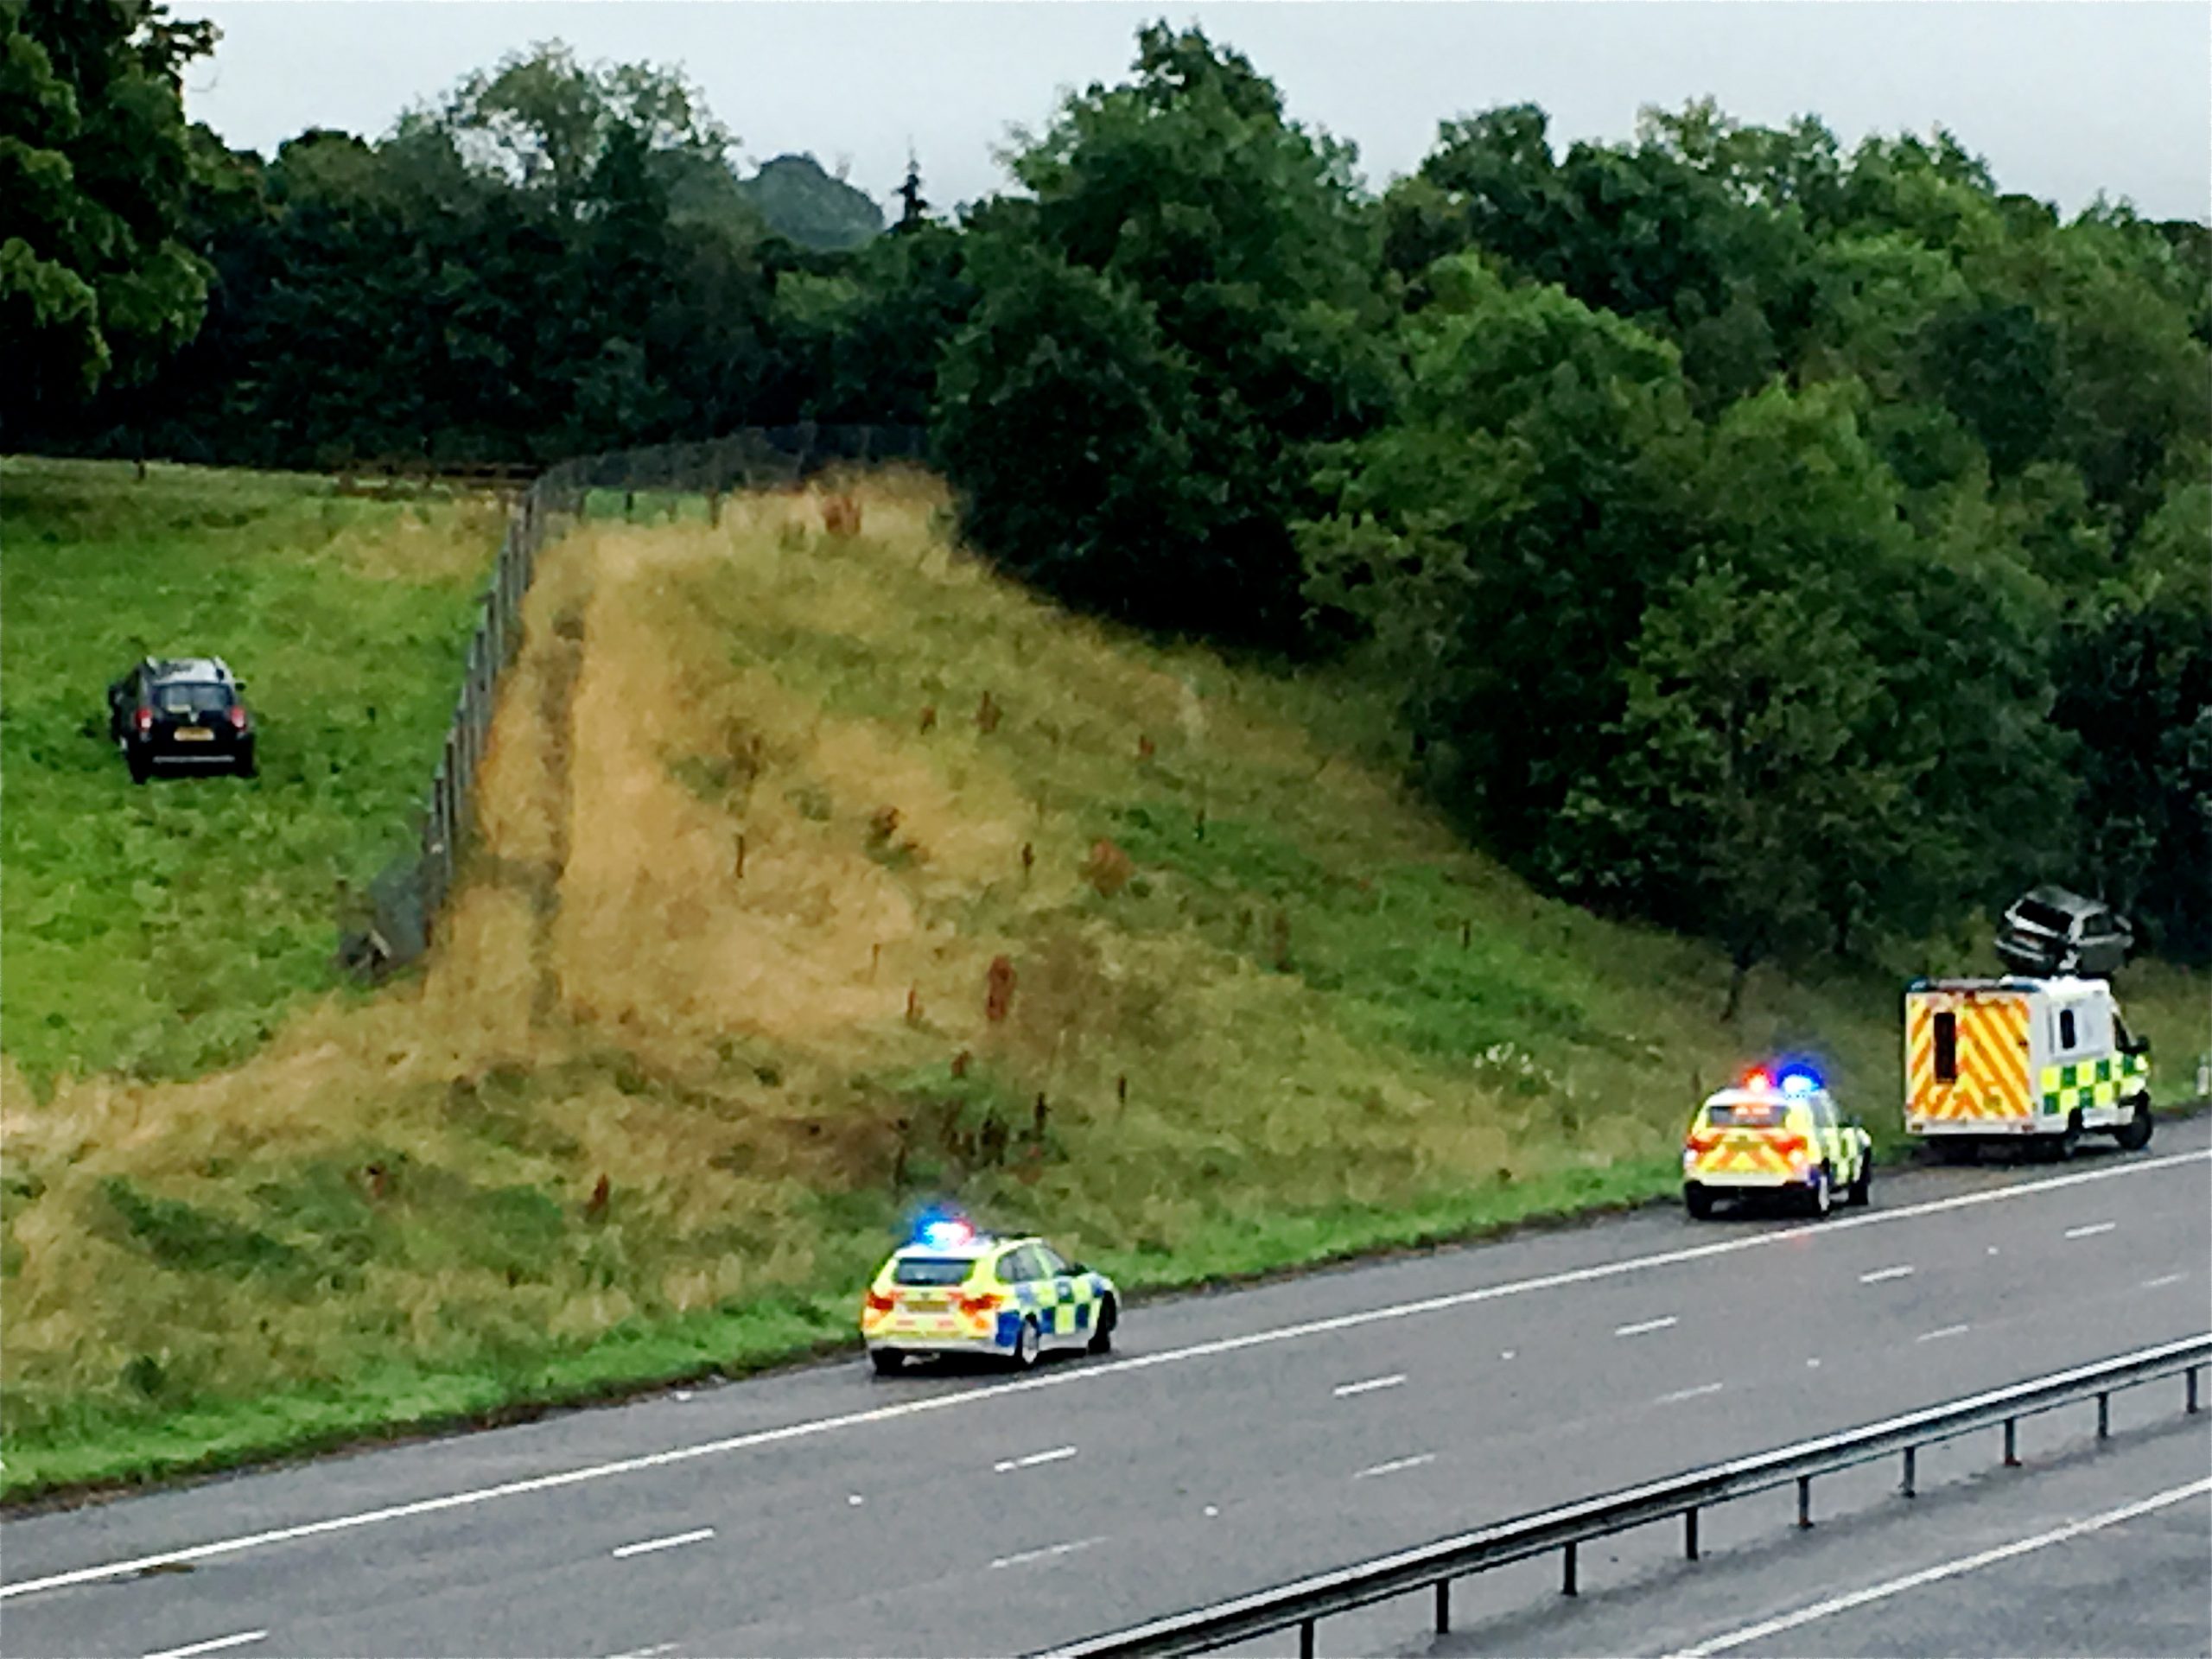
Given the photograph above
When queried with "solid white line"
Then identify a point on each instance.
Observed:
(1347, 1390)
(1045, 1555)
(1396, 1464)
(1648, 1325)
(2163, 1279)
(1938, 1336)
(1834, 1226)
(1057, 1454)
(238, 1641)
(2091, 1231)
(1691, 1394)
(652, 1544)
(1945, 1570)
(1876, 1277)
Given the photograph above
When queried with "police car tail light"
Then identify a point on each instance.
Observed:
(1703, 1141)
(880, 1301)
(988, 1302)
(1790, 1145)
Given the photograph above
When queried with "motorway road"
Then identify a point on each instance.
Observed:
(1237, 1442)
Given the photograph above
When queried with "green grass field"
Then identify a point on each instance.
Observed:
(159, 931)
(767, 814)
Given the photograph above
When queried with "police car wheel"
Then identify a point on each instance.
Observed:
(887, 1361)
(1862, 1190)
(1028, 1344)
(1820, 1193)
(1697, 1201)
(1102, 1334)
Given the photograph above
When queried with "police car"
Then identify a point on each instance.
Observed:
(1772, 1137)
(956, 1290)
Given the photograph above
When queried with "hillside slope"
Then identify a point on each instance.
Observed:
(818, 874)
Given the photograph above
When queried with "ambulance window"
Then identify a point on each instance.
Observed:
(2066, 1028)
(1947, 1048)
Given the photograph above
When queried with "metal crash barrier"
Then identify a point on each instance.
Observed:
(1433, 1566)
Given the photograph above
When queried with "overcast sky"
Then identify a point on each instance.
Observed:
(2062, 99)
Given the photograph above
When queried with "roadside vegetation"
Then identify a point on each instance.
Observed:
(155, 931)
(821, 875)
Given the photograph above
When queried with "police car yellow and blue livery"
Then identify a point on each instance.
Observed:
(1776, 1137)
(954, 1290)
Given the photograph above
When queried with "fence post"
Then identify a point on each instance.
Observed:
(1566, 1574)
(2104, 1416)
(2190, 1376)
(1689, 1533)
(1908, 1490)
(1804, 1500)
(1305, 1638)
(1443, 1606)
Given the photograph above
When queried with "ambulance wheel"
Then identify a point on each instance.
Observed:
(1697, 1201)
(2069, 1139)
(887, 1361)
(1028, 1344)
(1102, 1334)
(2135, 1135)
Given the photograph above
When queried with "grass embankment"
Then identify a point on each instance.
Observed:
(157, 931)
(764, 807)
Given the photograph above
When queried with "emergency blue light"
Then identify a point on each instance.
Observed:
(940, 1234)
(1799, 1083)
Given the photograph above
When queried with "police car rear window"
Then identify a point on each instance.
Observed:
(1749, 1114)
(930, 1270)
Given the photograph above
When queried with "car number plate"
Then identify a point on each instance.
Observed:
(926, 1303)
(195, 734)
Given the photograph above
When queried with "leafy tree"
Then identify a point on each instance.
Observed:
(97, 282)
(1235, 233)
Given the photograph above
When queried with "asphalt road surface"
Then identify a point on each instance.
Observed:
(1236, 1441)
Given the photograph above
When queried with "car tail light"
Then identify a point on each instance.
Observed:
(1790, 1145)
(986, 1303)
(145, 720)
(882, 1301)
(237, 716)
(1703, 1142)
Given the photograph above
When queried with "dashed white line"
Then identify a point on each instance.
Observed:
(1395, 1464)
(1046, 1553)
(211, 1646)
(652, 1544)
(1692, 1393)
(2163, 1279)
(1759, 1632)
(646, 1653)
(1344, 1391)
(807, 1427)
(1648, 1325)
(1880, 1274)
(2092, 1230)
(1058, 1454)
(1938, 1336)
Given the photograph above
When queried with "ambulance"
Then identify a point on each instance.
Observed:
(2038, 1062)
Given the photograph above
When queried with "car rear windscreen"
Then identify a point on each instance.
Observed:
(1748, 1114)
(2037, 914)
(192, 697)
(930, 1270)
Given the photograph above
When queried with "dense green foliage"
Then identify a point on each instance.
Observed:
(1801, 545)
(97, 282)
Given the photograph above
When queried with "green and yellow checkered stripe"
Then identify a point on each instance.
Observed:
(2095, 1083)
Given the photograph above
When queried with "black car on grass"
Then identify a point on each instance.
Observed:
(188, 713)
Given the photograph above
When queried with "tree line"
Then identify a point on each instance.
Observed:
(1801, 545)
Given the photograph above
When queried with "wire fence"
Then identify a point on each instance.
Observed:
(399, 918)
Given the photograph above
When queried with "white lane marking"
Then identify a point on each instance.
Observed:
(220, 1641)
(2163, 1279)
(646, 1653)
(1058, 1454)
(1047, 1553)
(1395, 1464)
(1648, 1325)
(1344, 1391)
(1945, 1570)
(1878, 1276)
(1832, 1227)
(2092, 1231)
(1506, 1354)
(856, 1500)
(1692, 1393)
(1938, 1336)
(652, 1544)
